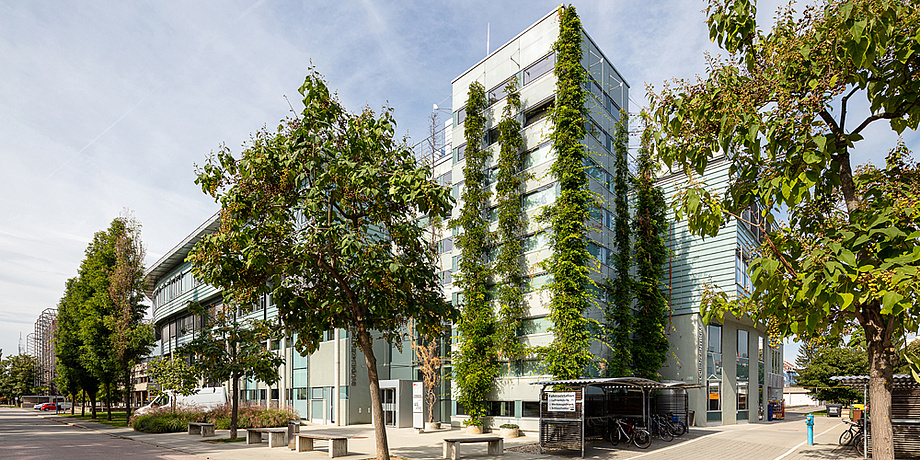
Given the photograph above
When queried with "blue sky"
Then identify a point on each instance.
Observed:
(108, 105)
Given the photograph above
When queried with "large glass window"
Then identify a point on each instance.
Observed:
(541, 197)
(714, 353)
(539, 68)
(715, 396)
(742, 396)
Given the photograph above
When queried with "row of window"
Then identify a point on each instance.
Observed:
(507, 409)
(173, 288)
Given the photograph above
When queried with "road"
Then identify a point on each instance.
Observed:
(23, 435)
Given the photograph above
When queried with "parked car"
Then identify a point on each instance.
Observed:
(206, 398)
(49, 406)
(38, 406)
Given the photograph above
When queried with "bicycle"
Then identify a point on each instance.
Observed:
(678, 428)
(854, 430)
(630, 433)
(660, 427)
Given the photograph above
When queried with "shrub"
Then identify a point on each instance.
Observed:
(509, 425)
(168, 419)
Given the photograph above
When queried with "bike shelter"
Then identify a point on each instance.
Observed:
(905, 411)
(574, 411)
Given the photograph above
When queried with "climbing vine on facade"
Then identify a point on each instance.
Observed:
(475, 362)
(650, 224)
(509, 264)
(569, 354)
(619, 315)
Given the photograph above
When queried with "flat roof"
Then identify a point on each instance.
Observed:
(859, 381)
(621, 382)
(175, 256)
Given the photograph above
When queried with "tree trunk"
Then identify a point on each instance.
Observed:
(92, 404)
(235, 404)
(380, 432)
(881, 361)
(128, 392)
(108, 401)
(83, 405)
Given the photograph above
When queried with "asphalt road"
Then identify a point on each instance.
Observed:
(25, 436)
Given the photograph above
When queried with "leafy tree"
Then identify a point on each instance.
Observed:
(17, 376)
(781, 111)
(475, 361)
(230, 347)
(910, 357)
(651, 344)
(569, 354)
(828, 362)
(131, 338)
(619, 314)
(322, 214)
(173, 374)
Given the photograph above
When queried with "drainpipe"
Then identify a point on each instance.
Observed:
(337, 379)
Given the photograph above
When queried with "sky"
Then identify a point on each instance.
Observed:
(108, 106)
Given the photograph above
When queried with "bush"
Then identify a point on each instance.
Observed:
(509, 425)
(169, 420)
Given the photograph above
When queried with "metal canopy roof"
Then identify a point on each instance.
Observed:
(177, 254)
(622, 382)
(859, 381)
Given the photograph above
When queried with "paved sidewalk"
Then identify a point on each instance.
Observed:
(779, 440)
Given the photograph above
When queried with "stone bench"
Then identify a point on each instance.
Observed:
(496, 445)
(338, 445)
(200, 428)
(277, 437)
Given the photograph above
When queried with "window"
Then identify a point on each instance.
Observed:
(742, 362)
(540, 197)
(534, 325)
(499, 92)
(742, 276)
(445, 179)
(538, 155)
(538, 112)
(530, 408)
(742, 395)
(715, 396)
(537, 282)
(714, 352)
(459, 116)
(539, 68)
(500, 408)
(459, 153)
(446, 245)
(534, 242)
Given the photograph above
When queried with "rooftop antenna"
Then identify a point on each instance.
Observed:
(488, 31)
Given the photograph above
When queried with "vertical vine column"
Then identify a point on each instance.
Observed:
(619, 315)
(475, 362)
(509, 264)
(569, 354)
(651, 344)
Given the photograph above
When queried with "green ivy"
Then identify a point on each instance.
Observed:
(619, 315)
(509, 264)
(651, 341)
(475, 361)
(569, 354)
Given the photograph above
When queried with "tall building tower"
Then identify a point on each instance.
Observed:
(529, 59)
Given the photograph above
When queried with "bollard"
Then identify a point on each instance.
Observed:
(810, 423)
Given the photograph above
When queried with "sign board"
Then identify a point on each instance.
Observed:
(418, 405)
(560, 401)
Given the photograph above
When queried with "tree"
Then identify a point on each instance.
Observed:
(475, 361)
(651, 345)
(231, 347)
(619, 314)
(323, 215)
(829, 362)
(68, 343)
(131, 338)
(428, 355)
(17, 376)
(781, 112)
(173, 374)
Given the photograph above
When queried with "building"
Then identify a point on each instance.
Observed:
(42, 348)
(330, 386)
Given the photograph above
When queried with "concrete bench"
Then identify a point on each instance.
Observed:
(277, 437)
(496, 445)
(199, 428)
(338, 445)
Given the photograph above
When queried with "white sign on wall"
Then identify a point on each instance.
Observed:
(561, 402)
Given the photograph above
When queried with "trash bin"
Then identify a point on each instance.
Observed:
(691, 417)
(833, 410)
(293, 427)
(769, 412)
(856, 412)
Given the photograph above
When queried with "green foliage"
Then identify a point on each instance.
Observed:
(475, 361)
(651, 344)
(17, 375)
(829, 362)
(322, 215)
(509, 266)
(569, 355)
(619, 314)
(104, 336)
(172, 374)
(849, 254)
(176, 419)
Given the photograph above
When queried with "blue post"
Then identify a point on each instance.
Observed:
(810, 422)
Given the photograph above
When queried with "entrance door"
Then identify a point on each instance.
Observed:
(318, 405)
(388, 401)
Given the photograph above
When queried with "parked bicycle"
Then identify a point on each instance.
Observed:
(660, 426)
(854, 430)
(677, 427)
(620, 430)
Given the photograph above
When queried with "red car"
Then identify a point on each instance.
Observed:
(49, 406)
